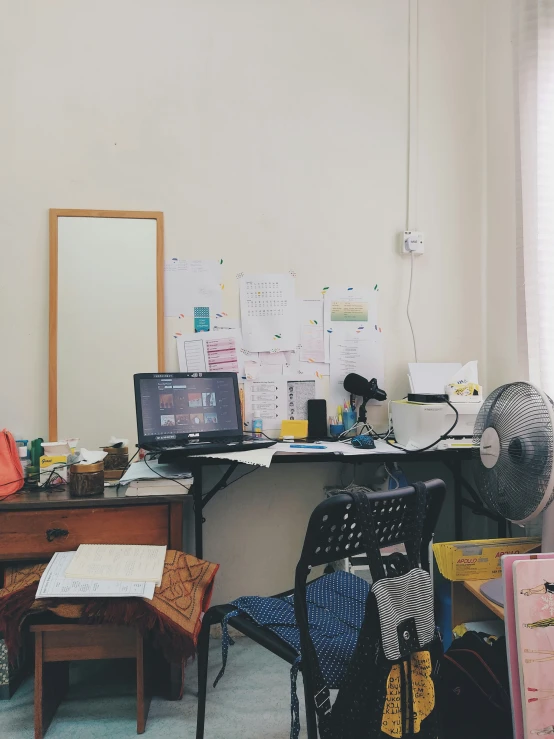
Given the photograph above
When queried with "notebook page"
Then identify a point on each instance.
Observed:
(131, 562)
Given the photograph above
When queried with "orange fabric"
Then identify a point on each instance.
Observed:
(11, 471)
(174, 615)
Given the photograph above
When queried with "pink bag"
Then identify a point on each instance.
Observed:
(11, 471)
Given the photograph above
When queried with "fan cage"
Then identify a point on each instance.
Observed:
(520, 485)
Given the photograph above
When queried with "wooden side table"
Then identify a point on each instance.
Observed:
(35, 525)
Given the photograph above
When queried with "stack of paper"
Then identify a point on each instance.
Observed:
(153, 478)
(56, 583)
(159, 487)
(127, 562)
(478, 559)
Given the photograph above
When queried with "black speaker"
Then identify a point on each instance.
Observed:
(317, 419)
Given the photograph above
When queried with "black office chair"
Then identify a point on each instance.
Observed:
(331, 535)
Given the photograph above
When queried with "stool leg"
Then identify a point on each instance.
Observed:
(51, 683)
(202, 656)
(143, 692)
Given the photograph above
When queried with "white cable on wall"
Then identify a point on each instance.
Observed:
(408, 303)
(413, 117)
(413, 144)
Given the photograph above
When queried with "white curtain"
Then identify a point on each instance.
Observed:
(534, 94)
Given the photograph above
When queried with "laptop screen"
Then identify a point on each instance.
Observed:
(187, 406)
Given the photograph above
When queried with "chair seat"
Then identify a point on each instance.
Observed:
(336, 605)
(260, 634)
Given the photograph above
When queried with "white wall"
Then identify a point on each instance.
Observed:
(271, 134)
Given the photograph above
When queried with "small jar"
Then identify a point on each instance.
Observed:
(117, 459)
(86, 479)
(116, 462)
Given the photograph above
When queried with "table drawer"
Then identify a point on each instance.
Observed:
(25, 534)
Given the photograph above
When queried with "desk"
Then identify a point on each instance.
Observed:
(34, 525)
(469, 603)
(451, 458)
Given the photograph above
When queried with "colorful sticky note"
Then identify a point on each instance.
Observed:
(201, 319)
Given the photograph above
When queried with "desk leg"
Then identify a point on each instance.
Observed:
(458, 507)
(198, 518)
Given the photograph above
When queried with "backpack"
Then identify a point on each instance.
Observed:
(389, 687)
(11, 471)
(475, 690)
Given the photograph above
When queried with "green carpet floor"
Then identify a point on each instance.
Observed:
(252, 701)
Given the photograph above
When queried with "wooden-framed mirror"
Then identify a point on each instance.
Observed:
(106, 319)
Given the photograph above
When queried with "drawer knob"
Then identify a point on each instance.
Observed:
(52, 534)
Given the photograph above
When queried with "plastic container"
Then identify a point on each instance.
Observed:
(257, 425)
(23, 451)
(349, 419)
(336, 429)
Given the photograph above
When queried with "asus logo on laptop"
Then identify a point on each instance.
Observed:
(190, 436)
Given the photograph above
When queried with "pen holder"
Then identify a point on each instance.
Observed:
(349, 419)
(336, 429)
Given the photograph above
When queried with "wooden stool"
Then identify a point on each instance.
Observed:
(56, 645)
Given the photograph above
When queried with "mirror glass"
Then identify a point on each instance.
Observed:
(107, 324)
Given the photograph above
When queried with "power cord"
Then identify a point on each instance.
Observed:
(164, 477)
(430, 446)
(409, 301)
(185, 486)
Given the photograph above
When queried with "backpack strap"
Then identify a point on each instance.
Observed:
(415, 525)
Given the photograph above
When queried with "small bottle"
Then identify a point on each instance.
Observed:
(23, 453)
(257, 425)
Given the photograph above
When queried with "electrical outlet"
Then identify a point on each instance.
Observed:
(411, 242)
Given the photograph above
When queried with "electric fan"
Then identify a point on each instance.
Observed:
(513, 442)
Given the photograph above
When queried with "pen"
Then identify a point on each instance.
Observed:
(352, 402)
(307, 446)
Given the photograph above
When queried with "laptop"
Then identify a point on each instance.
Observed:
(184, 413)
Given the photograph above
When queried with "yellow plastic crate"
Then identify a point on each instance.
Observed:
(478, 559)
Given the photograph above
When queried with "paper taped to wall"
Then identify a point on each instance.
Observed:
(268, 312)
(211, 351)
(266, 397)
(189, 283)
(298, 394)
(362, 355)
(312, 348)
(348, 312)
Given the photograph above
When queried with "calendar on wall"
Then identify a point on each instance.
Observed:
(267, 307)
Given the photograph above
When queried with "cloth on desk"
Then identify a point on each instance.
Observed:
(174, 616)
(257, 457)
(336, 607)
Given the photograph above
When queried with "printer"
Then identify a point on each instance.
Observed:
(424, 417)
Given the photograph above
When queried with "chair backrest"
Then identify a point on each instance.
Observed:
(334, 533)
